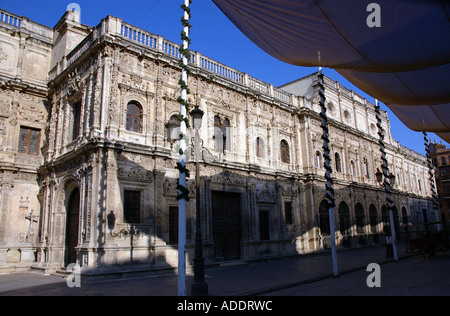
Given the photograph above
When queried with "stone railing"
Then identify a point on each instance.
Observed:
(140, 36)
(11, 19)
(218, 68)
(37, 30)
(116, 27)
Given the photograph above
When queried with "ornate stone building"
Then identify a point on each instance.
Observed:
(88, 172)
(440, 156)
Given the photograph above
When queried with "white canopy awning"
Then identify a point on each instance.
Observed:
(404, 63)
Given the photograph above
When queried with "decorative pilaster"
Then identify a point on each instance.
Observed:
(5, 202)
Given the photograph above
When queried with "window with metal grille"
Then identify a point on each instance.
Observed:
(264, 226)
(76, 120)
(173, 225)
(221, 134)
(132, 207)
(284, 148)
(29, 139)
(337, 160)
(288, 217)
(259, 148)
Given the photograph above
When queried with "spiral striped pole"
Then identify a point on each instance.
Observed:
(328, 171)
(431, 173)
(183, 195)
(387, 184)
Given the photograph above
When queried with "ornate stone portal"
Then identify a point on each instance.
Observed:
(101, 189)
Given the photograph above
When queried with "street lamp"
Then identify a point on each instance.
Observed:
(392, 179)
(379, 176)
(199, 287)
(173, 130)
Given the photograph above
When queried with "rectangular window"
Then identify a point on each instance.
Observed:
(173, 225)
(264, 230)
(132, 207)
(76, 112)
(29, 140)
(288, 213)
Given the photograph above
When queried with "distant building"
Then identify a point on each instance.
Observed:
(88, 174)
(440, 155)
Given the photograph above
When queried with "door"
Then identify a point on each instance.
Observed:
(72, 228)
(226, 218)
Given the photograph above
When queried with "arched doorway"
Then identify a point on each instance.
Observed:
(324, 218)
(344, 224)
(385, 219)
(373, 214)
(72, 226)
(324, 224)
(405, 218)
(360, 219)
(396, 221)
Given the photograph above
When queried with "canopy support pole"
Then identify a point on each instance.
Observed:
(183, 195)
(327, 165)
(387, 184)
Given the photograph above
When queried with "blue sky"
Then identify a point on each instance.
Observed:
(212, 34)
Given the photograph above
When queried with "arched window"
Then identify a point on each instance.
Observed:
(259, 148)
(318, 160)
(352, 168)
(225, 131)
(366, 168)
(324, 218)
(337, 160)
(134, 117)
(284, 149)
(221, 134)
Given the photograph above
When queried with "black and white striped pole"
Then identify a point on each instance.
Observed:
(328, 171)
(183, 193)
(387, 184)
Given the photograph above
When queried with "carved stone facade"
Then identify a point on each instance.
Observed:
(105, 152)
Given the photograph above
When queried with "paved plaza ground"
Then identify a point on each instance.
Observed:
(300, 275)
